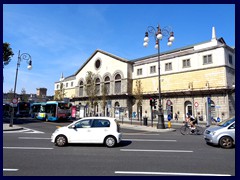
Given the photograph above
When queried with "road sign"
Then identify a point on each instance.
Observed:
(14, 101)
(169, 102)
(196, 104)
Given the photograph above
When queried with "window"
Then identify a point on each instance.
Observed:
(66, 85)
(100, 123)
(57, 86)
(168, 66)
(118, 84)
(107, 85)
(97, 64)
(71, 84)
(139, 71)
(186, 63)
(152, 69)
(207, 59)
(230, 59)
(81, 89)
(98, 86)
(84, 124)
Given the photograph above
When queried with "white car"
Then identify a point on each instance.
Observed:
(100, 130)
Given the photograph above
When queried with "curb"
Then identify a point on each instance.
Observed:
(14, 128)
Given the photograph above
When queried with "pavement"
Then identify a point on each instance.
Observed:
(126, 123)
(6, 127)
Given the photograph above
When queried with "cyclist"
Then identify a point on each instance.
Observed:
(192, 121)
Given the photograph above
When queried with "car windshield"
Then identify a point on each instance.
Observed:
(226, 122)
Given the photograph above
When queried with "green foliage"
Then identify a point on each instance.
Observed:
(7, 53)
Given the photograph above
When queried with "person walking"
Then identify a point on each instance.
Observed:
(176, 117)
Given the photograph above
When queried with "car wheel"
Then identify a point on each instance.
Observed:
(61, 140)
(110, 141)
(226, 142)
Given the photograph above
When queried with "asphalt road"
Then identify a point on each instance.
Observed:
(29, 152)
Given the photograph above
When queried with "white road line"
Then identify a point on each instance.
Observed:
(169, 173)
(140, 134)
(32, 138)
(10, 169)
(150, 150)
(40, 148)
(25, 130)
(149, 140)
(34, 131)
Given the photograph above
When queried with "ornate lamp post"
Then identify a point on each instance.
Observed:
(23, 56)
(158, 34)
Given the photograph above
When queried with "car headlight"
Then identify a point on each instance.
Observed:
(212, 133)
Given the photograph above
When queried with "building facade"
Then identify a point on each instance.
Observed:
(189, 77)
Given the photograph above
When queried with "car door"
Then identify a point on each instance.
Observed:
(100, 129)
(231, 131)
(80, 132)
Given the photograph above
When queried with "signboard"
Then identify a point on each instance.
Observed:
(169, 102)
(14, 101)
(196, 104)
(208, 100)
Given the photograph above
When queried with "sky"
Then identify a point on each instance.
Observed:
(61, 37)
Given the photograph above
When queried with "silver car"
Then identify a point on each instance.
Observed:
(222, 134)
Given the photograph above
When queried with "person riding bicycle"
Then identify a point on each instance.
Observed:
(192, 121)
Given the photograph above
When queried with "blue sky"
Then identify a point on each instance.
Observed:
(60, 38)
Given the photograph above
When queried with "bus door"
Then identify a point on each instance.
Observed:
(51, 112)
(42, 112)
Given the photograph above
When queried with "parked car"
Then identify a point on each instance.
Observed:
(222, 134)
(102, 130)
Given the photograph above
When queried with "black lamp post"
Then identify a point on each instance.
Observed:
(23, 56)
(158, 35)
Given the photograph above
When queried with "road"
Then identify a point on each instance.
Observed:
(29, 152)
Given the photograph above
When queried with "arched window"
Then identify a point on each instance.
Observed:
(188, 107)
(97, 82)
(107, 85)
(117, 84)
(81, 88)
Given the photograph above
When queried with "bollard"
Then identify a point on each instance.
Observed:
(169, 124)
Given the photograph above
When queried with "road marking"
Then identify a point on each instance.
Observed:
(32, 138)
(25, 130)
(169, 173)
(149, 150)
(10, 169)
(149, 140)
(139, 134)
(40, 148)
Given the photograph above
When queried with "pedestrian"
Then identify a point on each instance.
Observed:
(176, 117)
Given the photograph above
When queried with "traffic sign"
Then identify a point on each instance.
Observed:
(14, 101)
(169, 102)
(196, 104)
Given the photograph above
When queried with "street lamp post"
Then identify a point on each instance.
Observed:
(23, 56)
(158, 35)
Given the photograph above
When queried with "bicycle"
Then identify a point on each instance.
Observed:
(186, 129)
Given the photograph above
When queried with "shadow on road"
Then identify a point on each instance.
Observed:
(121, 144)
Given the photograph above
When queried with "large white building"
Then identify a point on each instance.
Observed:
(189, 76)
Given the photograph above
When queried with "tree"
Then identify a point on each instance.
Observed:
(104, 97)
(138, 94)
(7, 53)
(59, 94)
(90, 89)
(24, 96)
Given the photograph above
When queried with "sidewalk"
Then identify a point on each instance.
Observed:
(6, 127)
(125, 123)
